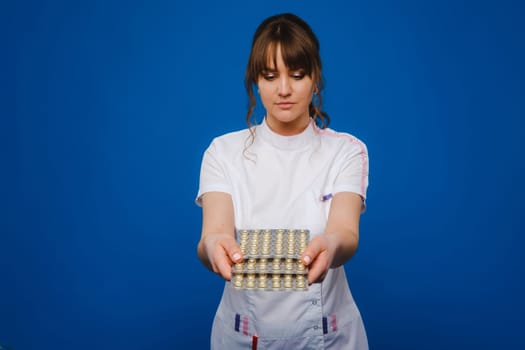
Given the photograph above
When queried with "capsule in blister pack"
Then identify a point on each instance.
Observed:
(272, 260)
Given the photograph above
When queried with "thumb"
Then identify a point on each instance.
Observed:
(314, 248)
(233, 250)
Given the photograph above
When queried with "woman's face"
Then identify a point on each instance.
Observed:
(286, 95)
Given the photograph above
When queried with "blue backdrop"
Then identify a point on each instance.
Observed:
(109, 105)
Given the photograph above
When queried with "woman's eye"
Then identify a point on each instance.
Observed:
(269, 77)
(298, 76)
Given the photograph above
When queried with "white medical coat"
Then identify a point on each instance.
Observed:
(278, 182)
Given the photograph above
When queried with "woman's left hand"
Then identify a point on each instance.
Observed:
(319, 256)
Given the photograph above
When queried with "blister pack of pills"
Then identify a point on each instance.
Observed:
(272, 260)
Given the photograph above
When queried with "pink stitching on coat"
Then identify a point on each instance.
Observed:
(334, 323)
(245, 325)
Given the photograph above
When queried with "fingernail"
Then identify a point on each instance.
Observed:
(236, 256)
(307, 259)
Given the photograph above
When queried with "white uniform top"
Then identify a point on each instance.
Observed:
(278, 182)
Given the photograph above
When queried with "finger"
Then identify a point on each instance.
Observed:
(318, 269)
(233, 250)
(223, 266)
(314, 248)
(316, 279)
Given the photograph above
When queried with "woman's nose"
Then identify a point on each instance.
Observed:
(284, 88)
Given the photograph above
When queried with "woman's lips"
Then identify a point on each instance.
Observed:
(285, 105)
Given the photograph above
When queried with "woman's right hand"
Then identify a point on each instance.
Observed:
(217, 248)
(221, 251)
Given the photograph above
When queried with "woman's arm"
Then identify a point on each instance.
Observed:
(217, 248)
(339, 243)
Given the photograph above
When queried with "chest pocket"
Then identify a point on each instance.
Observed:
(311, 210)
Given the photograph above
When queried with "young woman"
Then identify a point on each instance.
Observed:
(288, 172)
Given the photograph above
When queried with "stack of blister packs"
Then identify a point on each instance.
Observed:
(272, 260)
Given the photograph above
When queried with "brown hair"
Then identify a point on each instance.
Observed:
(300, 50)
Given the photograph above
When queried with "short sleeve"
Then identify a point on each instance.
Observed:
(353, 170)
(213, 177)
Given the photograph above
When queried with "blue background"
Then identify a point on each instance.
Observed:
(109, 105)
